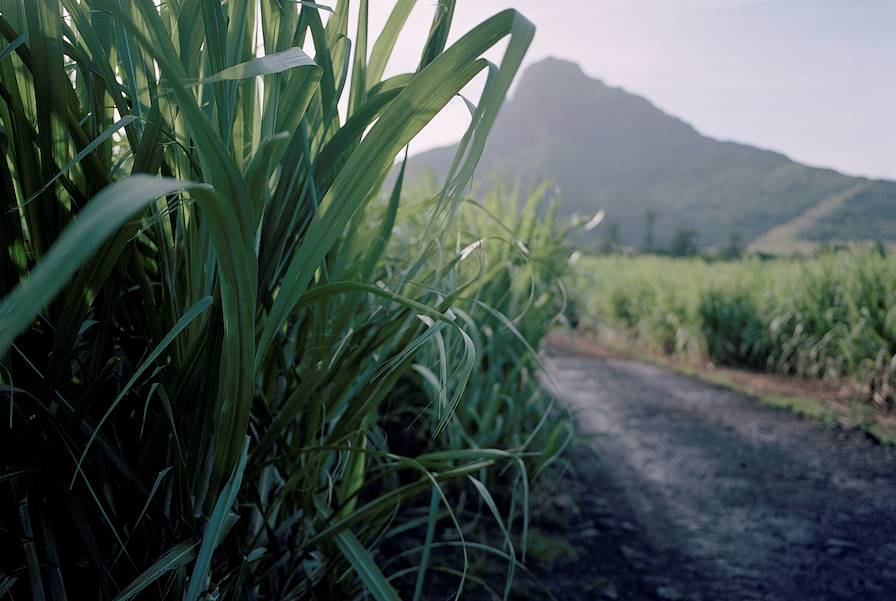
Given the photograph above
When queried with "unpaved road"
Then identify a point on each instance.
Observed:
(720, 498)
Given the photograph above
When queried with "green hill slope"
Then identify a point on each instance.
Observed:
(607, 148)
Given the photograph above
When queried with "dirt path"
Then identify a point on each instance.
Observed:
(702, 493)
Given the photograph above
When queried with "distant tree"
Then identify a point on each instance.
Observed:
(734, 248)
(611, 241)
(650, 217)
(831, 247)
(684, 243)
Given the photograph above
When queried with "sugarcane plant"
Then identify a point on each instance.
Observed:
(829, 317)
(203, 334)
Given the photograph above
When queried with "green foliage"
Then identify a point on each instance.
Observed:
(231, 379)
(684, 243)
(733, 249)
(868, 215)
(732, 327)
(829, 317)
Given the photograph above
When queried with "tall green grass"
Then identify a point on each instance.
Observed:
(829, 317)
(223, 375)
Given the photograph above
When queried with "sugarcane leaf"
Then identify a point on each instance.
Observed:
(385, 43)
(269, 64)
(185, 320)
(179, 556)
(364, 566)
(105, 135)
(405, 117)
(215, 528)
(103, 215)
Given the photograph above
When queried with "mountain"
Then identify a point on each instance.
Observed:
(609, 149)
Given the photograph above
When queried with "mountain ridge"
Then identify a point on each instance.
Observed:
(608, 148)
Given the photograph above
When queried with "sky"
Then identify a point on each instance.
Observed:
(814, 79)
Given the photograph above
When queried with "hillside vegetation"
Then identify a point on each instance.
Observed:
(609, 149)
(869, 215)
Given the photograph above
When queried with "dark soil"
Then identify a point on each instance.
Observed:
(702, 493)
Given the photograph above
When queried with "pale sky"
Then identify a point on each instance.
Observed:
(814, 79)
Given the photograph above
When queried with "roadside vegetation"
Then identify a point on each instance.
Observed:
(831, 317)
(233, 363)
